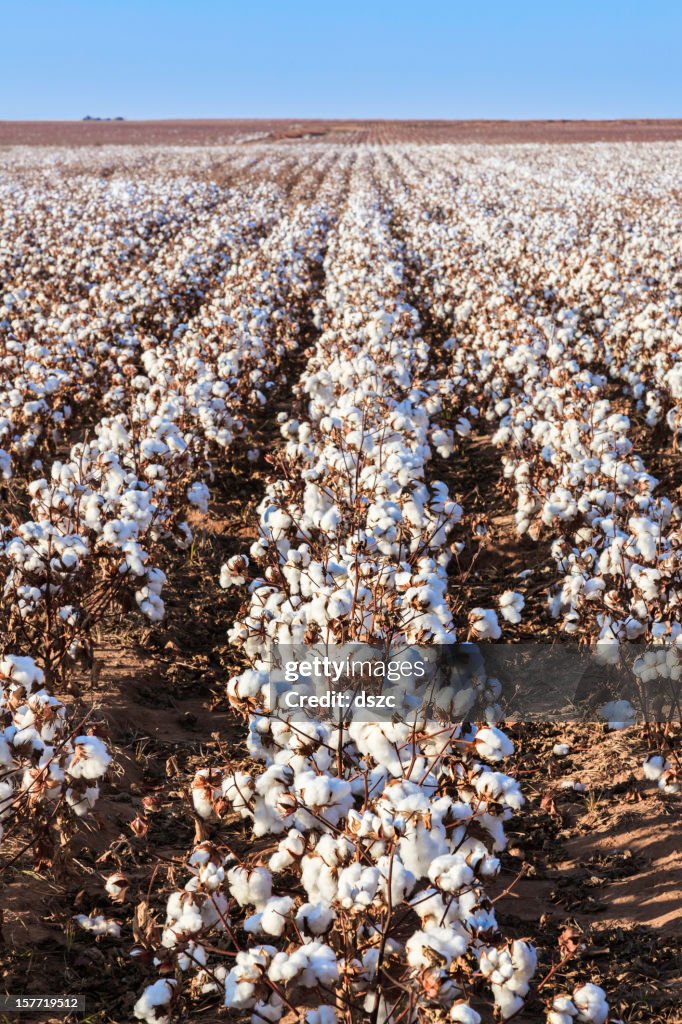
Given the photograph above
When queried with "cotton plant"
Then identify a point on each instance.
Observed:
(50, 766)
(368, 822)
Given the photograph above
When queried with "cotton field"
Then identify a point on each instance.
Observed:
(403, 395)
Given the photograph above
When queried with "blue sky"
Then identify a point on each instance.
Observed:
(259, 58)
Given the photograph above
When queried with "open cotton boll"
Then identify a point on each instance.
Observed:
(491, 743)
(511, 605)
(250, 886)
(619, 714)
(198, 495)
(450, 873)
(484, 624)
(562, 1011)
(232, 574)
(151, 1005)
(116, 885)
(448, 943)
(654, 766)
(22, 671)
(150, 604)
(462, 1013)
(315, 918)
(98, 925)
(590, 1001)
(309, 965)
(561, 749)
(90, 759)
(194, 955)
(321, 1015)
(289, 850)
(272, 919)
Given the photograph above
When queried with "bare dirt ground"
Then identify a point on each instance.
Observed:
(245, 132)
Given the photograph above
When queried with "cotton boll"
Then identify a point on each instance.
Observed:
(451, 873)
(562, 1011)
(446, 942)
(511, 605)
(90, 760)
(116, 886)
(484, 624)
(250, 887)
(619, 713)
(315, 918)
(309, 965)
(462, 1013)
(232, 574)
(654, 766)
(242, 981)
(272, 919)
(199, 496)
(154, 1000)
(590, 1001)
(321, 1015)
(98, 925)
(492, 744)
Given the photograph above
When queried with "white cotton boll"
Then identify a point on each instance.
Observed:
(590, 1001)
(273, 918)
(669, 783)
(525, 962)
(507, 1001)
(340, 604)
(444, 442)
(238, 788)
(198, 494)
(315, 918)
(450, 873)
(250, 886)
(321, 1015)
(310, 965)
(511, 605)
(278, 523)
(491, 743)
(619, 714)
(183, 917)
(98, 925)
(149, 1007)
(291, 848)
(81, 803)
(23, 671)
(194, 955)
(330, 521)
(270, 1011)
(402, 880)
(447, 942)
(654, 766)
(203, 794)
(6, 757)
(484, 624)
(150, 604)
(561, 749)
(563, 1011)
(462, 1013)
(232, 574)
(90, 760)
